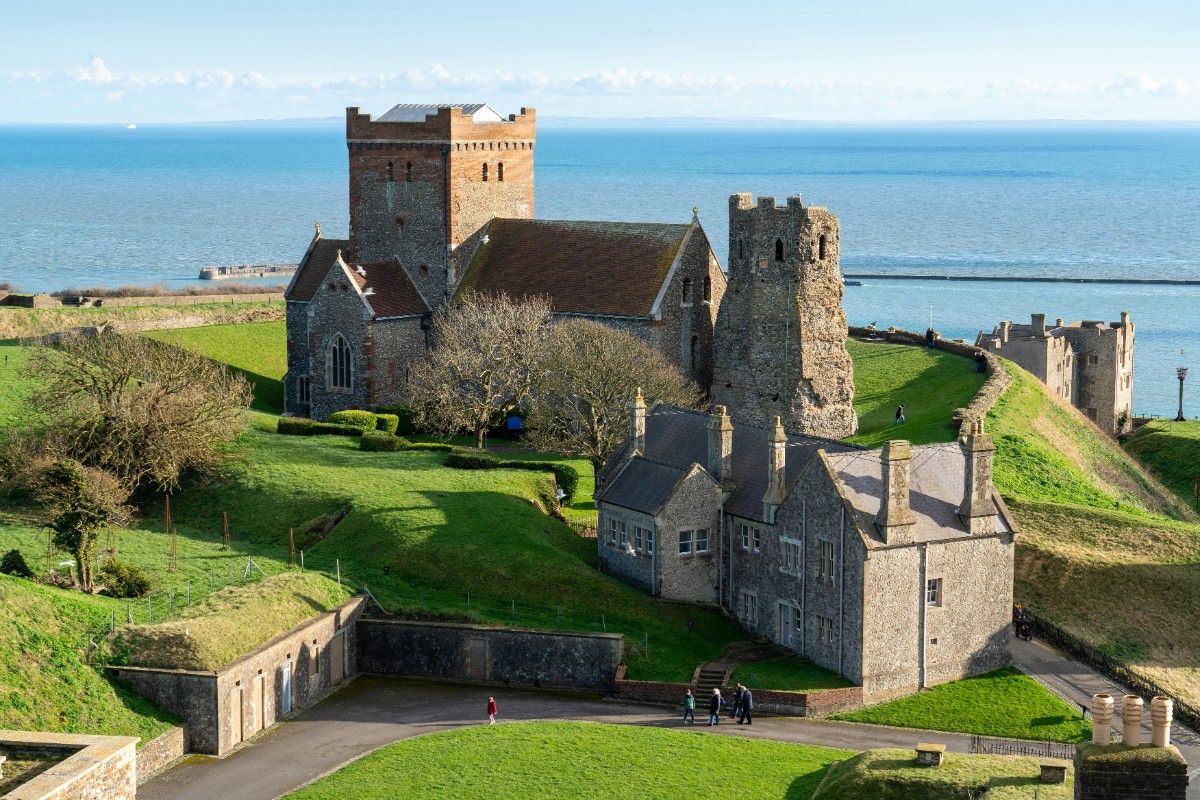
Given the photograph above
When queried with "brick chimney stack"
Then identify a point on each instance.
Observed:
(896, 520)
(776, 462)
(1039, 324)
(720, 447)
(637, 421)
(978, 509)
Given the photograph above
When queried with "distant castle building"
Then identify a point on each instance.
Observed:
(1089, 363)
(892, 567)
(441, 202)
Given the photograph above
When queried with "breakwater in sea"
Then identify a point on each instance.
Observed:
(248, 271)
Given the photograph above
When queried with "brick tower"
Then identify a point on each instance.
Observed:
(780, 340)
(424, 178)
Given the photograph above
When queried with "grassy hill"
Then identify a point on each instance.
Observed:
(1171, 450)
(553, 760)
(16, 323)
(258, 350)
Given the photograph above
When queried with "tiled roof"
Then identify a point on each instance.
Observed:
(388, 289)
(417, 112)
(610, 268)
(935, 489)
(315, 266)
(643, 485)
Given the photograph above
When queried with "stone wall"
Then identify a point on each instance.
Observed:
(158, 754)
(767, 701)
(332, 311)
(98, 767)
(395, 346)
(1141, 772)
(517, 656)
(189, 695)
(297, 359)
(633, 565)
(694, 505)
(780, 341)
(684, 332)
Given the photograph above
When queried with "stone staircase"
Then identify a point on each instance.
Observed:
(711, 677)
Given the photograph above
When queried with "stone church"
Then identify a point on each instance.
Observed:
(442, 202)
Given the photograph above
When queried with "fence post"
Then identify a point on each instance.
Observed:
(302, 561)
(603, 623)
(292, 546)
(338, 562)
(189, 594)
(112, 627)
(129, 612)
(171, 602)
(514, 613)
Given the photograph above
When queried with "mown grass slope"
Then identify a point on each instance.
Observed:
(1171, 450)
(553, 760)
(258, 350)
(18, 323)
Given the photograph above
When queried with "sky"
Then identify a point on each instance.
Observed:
(908, 60)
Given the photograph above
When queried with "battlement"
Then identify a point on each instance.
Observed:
(744, 201)
(448, 124)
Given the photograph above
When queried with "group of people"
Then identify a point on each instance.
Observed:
(743, 706)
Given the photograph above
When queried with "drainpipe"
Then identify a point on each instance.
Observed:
(842, 593)
(654, 557)
(922, 550)
(721, 553)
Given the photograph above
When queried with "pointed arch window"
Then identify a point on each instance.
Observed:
(779, 249)
(408, 172)
(500, 171)
(485, 172)
(340, 369)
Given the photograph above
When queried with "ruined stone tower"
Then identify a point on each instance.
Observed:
(425, 178)
(780, 340)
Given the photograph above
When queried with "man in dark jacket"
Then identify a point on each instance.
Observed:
(737, 700)
(714, 708)
(747, 707)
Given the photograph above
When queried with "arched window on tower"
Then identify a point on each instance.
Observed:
(687, 290)
(408, 172)
(485, 172)
(340, 369)
(707, 289)
(500, 171)
(391, 172)
(821, 248)
(779, 249)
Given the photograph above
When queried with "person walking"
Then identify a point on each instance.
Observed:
(689, 708)
(900, 420)
(737, 699)
(747, 707)
(491, 711)
(714, 708)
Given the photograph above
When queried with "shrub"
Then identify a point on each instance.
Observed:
(468, 459)
(359, 419)
(565, 475)
(388, 423)
(433, 447)
(404, 416)
(379, 442)
(121, 579)
(294, 426)
(13, 563)
(334, 429)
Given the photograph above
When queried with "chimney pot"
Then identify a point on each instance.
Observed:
(1102, 717)
(978, 509)
(720, 446)
(1131, 719)
(776, 467)
(1004, 329)
(637, 420)
(1161, 712)
(1039, 324)
(895, 519)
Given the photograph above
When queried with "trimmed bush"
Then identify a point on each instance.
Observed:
(333, 429)
(379, 442)
(404, 416)
(13, 563)
(121, 579)
(565, 475)
(359, 419)
(388, 423)
(294, 426)
(460, 458)
(433, 447)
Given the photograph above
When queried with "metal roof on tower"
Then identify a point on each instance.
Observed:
(417, 112)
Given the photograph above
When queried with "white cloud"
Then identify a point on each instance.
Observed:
(94, 72)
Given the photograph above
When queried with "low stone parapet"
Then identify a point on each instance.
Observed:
(157, 754)
(94, 767)
(767, 701)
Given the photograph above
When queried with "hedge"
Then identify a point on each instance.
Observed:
(380, 442)
(294, 426)
(404, 417)
(333, 429)
(565, 475)
(359, 419)
(467, 459)
(388, 423)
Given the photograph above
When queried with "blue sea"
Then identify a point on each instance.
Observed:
(103, 205)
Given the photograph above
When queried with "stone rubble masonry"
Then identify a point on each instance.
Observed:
(158, 754)
(1140, 772)
(780, 343)
(769, 701)
(224, 708)
(476, 653)
(337, 308)
(98, 767)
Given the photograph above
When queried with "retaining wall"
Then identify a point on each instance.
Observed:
(767, 701)
(158, 754)
(97, 767)
(516, 656)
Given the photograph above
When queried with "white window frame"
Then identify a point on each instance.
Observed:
(756, 538)
(624, 535)
(745, 531)
(612, 533)
(827, 560)
(649, 541)
(701, 540)
(824, 629)
(637, 537)
(304, 389)
(791, 553)
(685, 543)
(748, 602)
(339, 365)
(933, 592)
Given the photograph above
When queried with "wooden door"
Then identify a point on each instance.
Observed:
(235, 716)
(285, 689)
(337, 658)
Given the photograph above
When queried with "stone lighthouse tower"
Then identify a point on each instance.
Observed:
(780, 339)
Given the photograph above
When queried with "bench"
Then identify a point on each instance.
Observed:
(930, 755)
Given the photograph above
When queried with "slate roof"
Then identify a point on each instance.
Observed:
(606, 268)
(388, 289)
(644, 485)
(417, 112)
(315, 266)
(935, 489)
(679, 437)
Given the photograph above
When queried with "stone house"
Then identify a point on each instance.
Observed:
(1088, 363)
(892, 567)
(441, 202)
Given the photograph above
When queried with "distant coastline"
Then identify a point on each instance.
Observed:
(1020, 279)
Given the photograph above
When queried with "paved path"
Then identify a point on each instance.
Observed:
(375, 711)
(1076, 684)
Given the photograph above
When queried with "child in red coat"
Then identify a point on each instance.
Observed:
(491, 711)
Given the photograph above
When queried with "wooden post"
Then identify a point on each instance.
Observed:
(292, 546)
(167, 513)
(174, 535)
(225, 529)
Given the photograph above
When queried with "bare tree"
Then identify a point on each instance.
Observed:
(141, 410)
(483, 363)
(591, 373)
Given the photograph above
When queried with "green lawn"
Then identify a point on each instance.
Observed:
(548, 760)
(892, 775)
(15, 388)
(930, 384)
(1004, 703)
(1172, 452)
(258, 350)
(788, 673)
